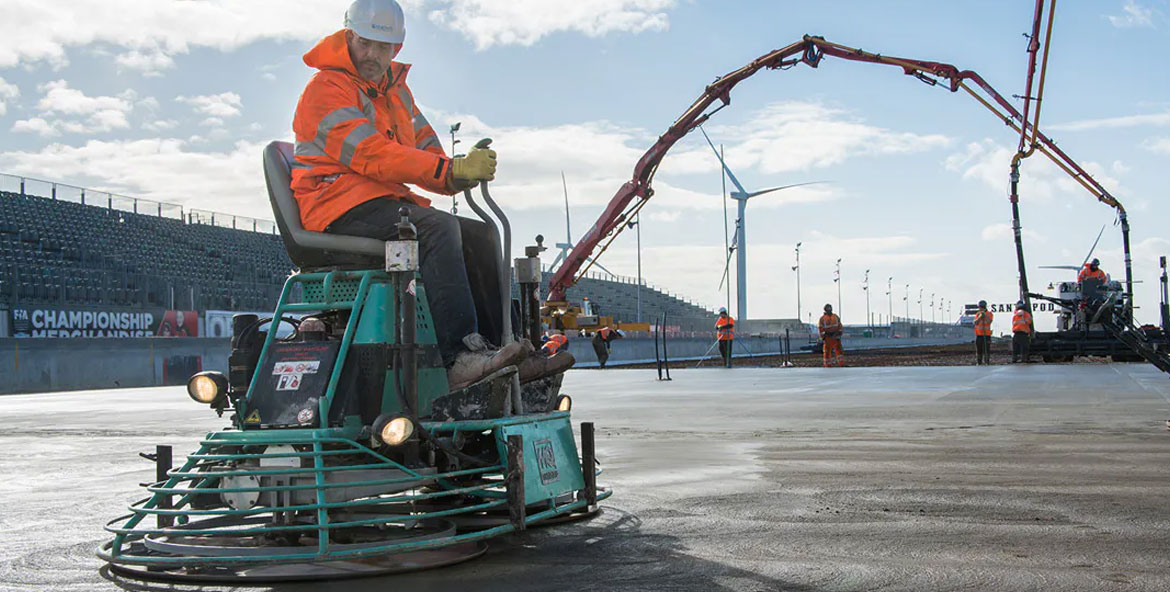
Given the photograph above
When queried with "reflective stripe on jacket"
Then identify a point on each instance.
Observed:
(830, 325)
(983, 320)
(554, 343)
(1022, 321)
(725, 328)
(357, 141)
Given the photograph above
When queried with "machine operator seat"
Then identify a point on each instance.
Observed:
(308, 250)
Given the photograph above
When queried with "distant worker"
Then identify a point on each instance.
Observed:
(983, 318)
(554, 343)
(1022, 330)
(1092, 271)
(830, 328)
(602, 339)
(361, 141)
(725, 333)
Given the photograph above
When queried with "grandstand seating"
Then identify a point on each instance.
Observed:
(66, 253)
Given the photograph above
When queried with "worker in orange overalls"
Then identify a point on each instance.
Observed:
(1092, 270)
(831, 329)
(725, 333)
(1022, 330)
(602, 338)
(361, 143)
(983, 318)
(555, 341)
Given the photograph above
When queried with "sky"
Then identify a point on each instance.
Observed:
(174, 100)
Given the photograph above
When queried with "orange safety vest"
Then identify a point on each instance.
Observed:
(983, 320)
(829, 324)
(725, 328)
(1022, 321)
(554, 343)
(357, 140)
(1087, 273)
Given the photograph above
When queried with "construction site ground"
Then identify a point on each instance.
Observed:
(1008, 477)
(962, 354)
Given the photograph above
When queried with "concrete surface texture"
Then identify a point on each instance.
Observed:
(956, 478)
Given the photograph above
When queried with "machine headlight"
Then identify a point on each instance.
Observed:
(393, 431)
(208, 387)
(564, 403)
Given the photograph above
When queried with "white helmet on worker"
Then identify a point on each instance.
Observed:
(722, 310)
(376, 20)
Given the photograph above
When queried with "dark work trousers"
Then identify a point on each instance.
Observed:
(725, 351)
(1021, 346)
(458, 259)
(601, 348)
(982, 349)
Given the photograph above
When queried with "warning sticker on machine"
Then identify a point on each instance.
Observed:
(298, 367)
(289, 382)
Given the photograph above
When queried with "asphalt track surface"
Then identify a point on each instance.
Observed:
(956, 478)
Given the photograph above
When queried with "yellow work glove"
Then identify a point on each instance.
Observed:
(478, 165)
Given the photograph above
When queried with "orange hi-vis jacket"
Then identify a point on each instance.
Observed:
(983, 320)
(604, 332)
(1087, 273)
(554, 343)
(1022, 321)
(830, 325)
(357, 141)
(725, 328)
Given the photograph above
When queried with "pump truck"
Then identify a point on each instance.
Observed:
(347, 453)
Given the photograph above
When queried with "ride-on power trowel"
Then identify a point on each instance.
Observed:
(347, 454)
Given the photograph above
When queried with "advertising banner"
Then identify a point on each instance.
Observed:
(94, 323)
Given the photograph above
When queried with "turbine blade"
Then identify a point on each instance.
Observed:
(730, 174)
(763, 191)
(1094, 247)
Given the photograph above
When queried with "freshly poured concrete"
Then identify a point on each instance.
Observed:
(961, 478)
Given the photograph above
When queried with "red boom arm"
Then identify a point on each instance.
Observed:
(808, 51)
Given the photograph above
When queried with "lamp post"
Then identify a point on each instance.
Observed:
(865, 287)
(635, 224)
(837, 280)
(890, 294)
(920, 319)
(454, 198)
(906, 299)
(932, 307)
(796, 268)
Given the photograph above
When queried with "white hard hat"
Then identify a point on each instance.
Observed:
(722, 310)
(376, 20)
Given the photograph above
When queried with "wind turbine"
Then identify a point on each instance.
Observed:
(739, 240)
(567, 246)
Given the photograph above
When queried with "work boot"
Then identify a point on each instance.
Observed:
(537, 366)
(472, 366)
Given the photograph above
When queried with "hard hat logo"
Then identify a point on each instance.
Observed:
(377, 20)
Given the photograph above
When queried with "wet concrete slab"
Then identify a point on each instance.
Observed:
(948, 478)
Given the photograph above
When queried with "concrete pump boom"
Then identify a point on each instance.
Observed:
(809, 51)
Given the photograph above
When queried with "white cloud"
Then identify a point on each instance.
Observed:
(8, 92)
(160, 125)
(152, 32)
(225, 104)
(525, 22)
(150, 61)
(1040, 181)
(212, 122)
(1003, 231)
(1160, 145)
(1133, 15)
(69, 110)
(797, 136)
(159, 169)
(660, 215)
(1144, 120)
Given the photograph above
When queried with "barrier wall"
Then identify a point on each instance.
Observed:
(40, 365)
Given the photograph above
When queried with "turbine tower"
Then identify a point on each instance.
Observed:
(567, 246)
(739, 240)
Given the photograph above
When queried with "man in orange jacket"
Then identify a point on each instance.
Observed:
(1022, 330)
(983, 319)
(360, 141)
(725, 333)
(831, 329)
(1092, 270)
